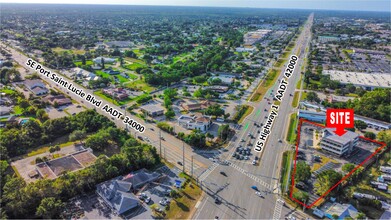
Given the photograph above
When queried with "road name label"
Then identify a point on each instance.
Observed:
(88, 97)
(266, 129)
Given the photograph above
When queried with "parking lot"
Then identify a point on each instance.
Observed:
(63, 111)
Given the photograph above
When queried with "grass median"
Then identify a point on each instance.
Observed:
(286, 160)
(295, 100)
(265, 85)
(291, 136)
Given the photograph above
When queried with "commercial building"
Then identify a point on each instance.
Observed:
(98, 60)
(117, 93)
(368, 81)
(199, 122)
(339, 145)
(152, 110)
(312, 116)
(117, 193)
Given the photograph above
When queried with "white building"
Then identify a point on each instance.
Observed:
(98, 60)
(201, 123)
(339, 145)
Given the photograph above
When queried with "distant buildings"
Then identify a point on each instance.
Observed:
(152, 110)
(339, 145)
(196, 122)
(36, 86)
(326, 39)
(252, 37)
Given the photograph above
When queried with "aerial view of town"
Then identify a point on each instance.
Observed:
(195, 109)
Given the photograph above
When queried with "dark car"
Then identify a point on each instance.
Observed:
(217, 200)
(223, 173)
(180, 163)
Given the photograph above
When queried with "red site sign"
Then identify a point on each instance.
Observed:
(340, 119)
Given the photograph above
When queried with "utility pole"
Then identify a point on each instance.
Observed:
(160, 142)
(183, 156)
(191, 165)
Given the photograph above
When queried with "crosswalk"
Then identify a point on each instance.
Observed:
(278, 209)
(206, 173)
(255, 178)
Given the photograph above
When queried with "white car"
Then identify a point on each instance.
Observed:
(258, 194)
(254, 162)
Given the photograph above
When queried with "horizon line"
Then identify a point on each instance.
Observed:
(198, 6)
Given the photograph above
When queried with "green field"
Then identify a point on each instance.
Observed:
(291, 136)
(139, 85)
(295, 100)
(88, 62)
(7, 91)
(18, 110)
(134, 66)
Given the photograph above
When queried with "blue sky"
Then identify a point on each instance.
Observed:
(360, 5)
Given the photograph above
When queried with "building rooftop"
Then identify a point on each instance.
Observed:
(152, 108)
(344, 139)
(382, 80)
(341, 210)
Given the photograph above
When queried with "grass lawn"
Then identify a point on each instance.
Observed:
(180, 57)
(62, 141)
(72, 51)
(291, 136)
(286, 160)
(180, 207)
(18, 110)
(140, 85)
(7, 91)
(295, 100)
(134, 66)
(298, 84)
(265, 85)
(88, 62)
(248, 111)
(303, 96)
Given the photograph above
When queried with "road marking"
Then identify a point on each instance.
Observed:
(246, 126)
(258, 112)
(206, 173)
(256, 179)
(278, 209)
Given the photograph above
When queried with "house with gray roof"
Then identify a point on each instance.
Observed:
(339, 145)
(116, 194)
(36, 86)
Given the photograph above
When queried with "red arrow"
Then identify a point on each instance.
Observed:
(340, 131)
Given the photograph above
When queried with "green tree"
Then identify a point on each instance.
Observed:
(303, 171)
(50, 207)
(214, 110)
(360, 125)
(361, 216)
(77, 135)
(325, 180)
(301, 196)
(385, 136)
(169, 113)
(370, 135)
(223, 131)
(348, 167)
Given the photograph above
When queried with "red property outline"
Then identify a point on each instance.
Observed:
(344, 178)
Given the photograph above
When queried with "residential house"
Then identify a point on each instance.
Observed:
(196, 122)
(86, 75)
(339, 145)
(36, 86)
(342, 211)
(152, 110)
(59, 99)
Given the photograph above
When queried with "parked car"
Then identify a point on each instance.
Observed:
(223, 173)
